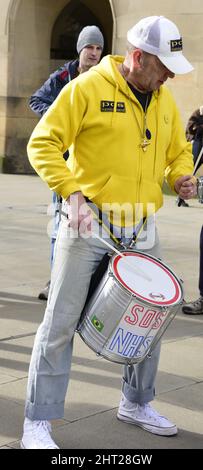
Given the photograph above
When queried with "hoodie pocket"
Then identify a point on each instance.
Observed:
(117, 189)
(150, 194)
(125, 190)
(126, 194)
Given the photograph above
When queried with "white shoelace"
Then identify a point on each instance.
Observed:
(150, 413)
(144, 411)
(42, 430)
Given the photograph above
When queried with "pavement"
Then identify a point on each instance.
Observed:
(94, 392)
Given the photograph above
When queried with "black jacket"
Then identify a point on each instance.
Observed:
(45, 96)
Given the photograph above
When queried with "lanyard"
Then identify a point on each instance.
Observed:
(109, 228)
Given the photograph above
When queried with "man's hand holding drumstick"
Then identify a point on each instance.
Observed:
(186, 186)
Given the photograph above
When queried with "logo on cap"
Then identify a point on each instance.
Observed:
(176, 45)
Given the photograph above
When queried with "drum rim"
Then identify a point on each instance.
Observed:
(158, 261)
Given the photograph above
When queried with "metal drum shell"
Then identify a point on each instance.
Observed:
(108, 306)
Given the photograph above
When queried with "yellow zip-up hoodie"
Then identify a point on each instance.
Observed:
(100, 120)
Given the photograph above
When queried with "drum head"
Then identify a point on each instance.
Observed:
(147, 278)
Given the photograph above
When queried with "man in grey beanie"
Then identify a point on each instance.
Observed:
(89, 35)
(89, 46)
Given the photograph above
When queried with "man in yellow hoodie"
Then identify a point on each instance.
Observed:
(125, 136)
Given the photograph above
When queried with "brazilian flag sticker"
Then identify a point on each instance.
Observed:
(97, 323)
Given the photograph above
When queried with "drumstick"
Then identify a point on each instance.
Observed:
(137, 270)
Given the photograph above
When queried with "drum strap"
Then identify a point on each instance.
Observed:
(109, 228)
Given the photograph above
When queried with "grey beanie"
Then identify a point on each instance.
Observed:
(89, 35)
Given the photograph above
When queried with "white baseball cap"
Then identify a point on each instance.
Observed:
(160, 36)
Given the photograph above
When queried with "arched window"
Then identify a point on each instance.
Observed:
(68, 25)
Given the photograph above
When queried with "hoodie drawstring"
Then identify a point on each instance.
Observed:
(113, 116)
(156, 140)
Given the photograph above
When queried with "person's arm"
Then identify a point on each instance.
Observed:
(39, 103)
(54, 134)
(47, 93)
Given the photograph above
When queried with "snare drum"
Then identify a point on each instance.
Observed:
(129, 312)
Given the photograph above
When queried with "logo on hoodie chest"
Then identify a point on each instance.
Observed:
(108, 106)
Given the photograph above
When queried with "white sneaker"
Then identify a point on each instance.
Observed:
(36, 435)
(145, 417)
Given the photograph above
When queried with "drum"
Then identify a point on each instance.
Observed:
(135, 301)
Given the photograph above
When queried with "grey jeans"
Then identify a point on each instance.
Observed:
(74, 263)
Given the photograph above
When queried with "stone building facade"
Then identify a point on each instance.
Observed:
(36, 36)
